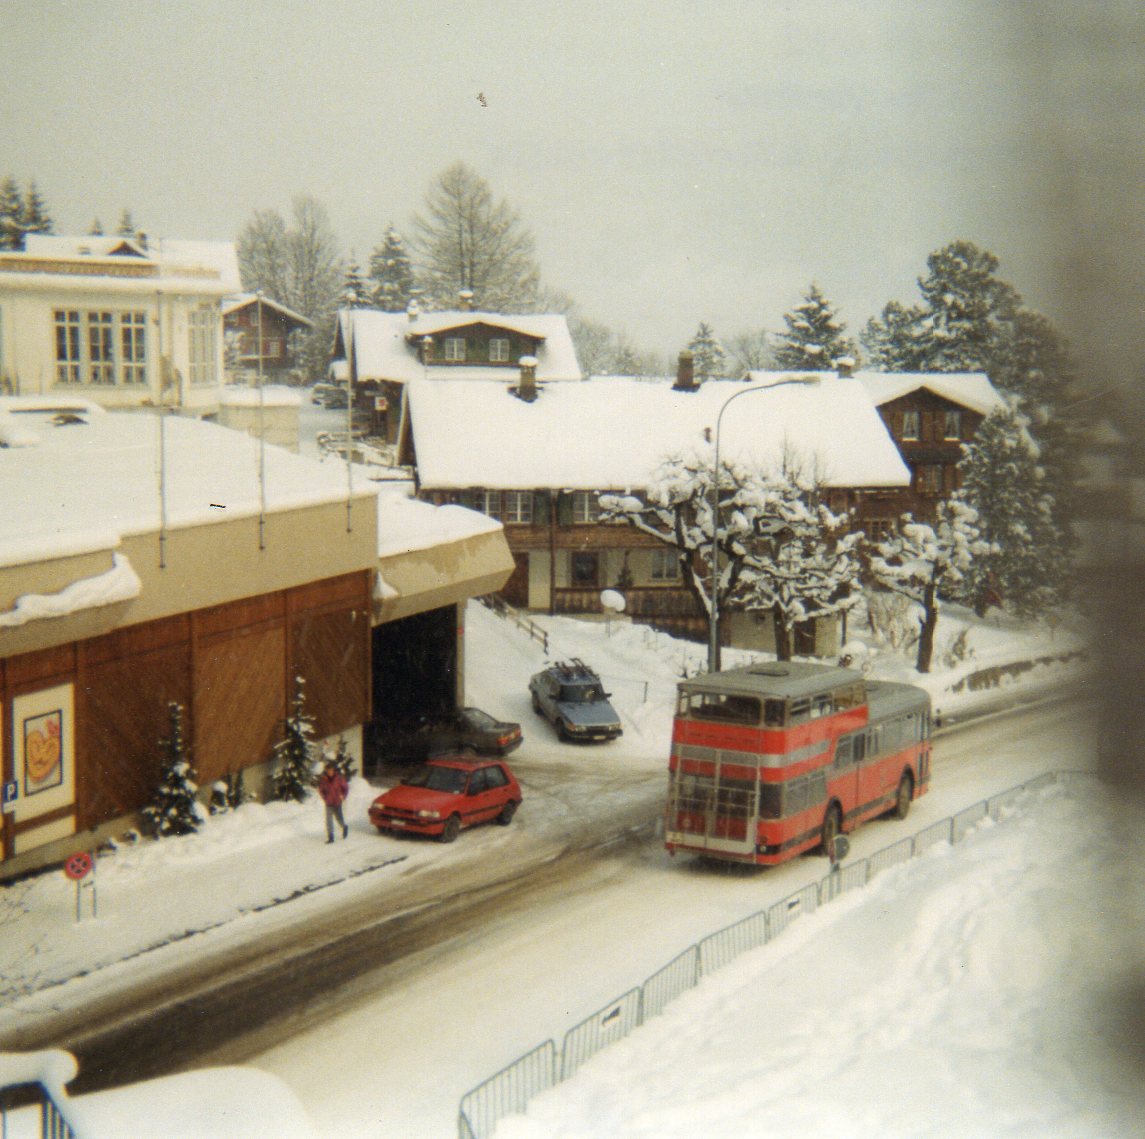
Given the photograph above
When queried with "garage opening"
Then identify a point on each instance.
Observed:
(414, 671)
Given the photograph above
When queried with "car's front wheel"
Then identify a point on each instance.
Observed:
(452, 829)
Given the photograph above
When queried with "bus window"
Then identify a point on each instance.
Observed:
(849, 696)
(725, 708)
(774, 713)
(822, 705)
(817, 786)
(795, 796)
(875, 740)
(800, 711)
(770, 800)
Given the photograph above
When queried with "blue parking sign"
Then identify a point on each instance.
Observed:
(11, 794)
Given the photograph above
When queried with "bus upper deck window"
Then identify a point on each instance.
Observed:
(800, 711)
(726, 708)
(774, 713)
(822, 705)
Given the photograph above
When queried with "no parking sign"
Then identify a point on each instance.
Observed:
(77, 867)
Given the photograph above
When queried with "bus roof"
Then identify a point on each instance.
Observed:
(787, 679)
(888, 698)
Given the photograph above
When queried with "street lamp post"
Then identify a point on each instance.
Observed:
(714, 603)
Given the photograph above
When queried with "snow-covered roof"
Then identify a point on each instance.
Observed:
(78, 487)
(612, 436)
(385, 344)
(214, 262)
(242, 300)
(970, 389)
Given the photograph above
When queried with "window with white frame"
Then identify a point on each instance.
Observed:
(518, 506)
(498, 350)
(203, 344)
(952, 424)
(910, 425)
(68, 358)
(100, 348)
(489, 502)
(665, 565)
(585, 506)
(133, 347)
(454, 348)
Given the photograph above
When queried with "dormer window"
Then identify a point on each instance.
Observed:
(454, 348)
(499, 350)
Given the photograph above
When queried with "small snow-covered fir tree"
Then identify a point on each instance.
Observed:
(126, 226)
(815, 338)
(11, 215)
(708, 355)
(925, 562)
(895, 341)
(355, 289)
(391, 274)
(34, 216)
(1027, 567)
(342, 758)
(295, 753)
(175, 808)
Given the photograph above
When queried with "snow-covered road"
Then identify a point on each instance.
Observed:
(399, 1062)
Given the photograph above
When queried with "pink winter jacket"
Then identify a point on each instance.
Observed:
(333, 788)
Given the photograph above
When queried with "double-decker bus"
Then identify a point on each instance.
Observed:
(777, 758)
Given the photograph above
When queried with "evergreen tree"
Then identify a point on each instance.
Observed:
(174, 809)
(894, 341)
(34, 216)
(466, 240)
(342, 759)
(96, 228)
(392, 274)
(1027, 564)
(815, 338)
(927, 562)
(11, 215)
(355, 291)
(708, 354)
(295, 753)
(126, 226)
(966, 309)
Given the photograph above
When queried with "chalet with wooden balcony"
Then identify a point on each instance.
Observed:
(930, 416)
(385, 352)
(259, 335)
(538, 456)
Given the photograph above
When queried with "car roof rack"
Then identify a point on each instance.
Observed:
(575, 669)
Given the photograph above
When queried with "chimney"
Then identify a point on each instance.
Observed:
(685, 373)
(465, 300)
(413, 309)
(426, 345)
(527, 386)
(845, 366)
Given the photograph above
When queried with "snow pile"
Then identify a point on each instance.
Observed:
(120, 583)
(974, 992)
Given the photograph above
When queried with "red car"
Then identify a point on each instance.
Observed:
(448, 793)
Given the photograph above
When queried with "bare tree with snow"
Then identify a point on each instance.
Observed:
(923, 562)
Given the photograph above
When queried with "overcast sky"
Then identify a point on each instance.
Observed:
(676, 161)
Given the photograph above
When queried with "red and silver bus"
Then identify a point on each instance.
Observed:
(775, 759)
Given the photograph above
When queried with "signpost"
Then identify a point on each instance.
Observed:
(11, 795)
(77, 868)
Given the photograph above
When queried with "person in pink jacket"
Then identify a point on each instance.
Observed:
(333, 788)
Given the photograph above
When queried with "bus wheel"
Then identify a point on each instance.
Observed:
(832, 824)
(905, 794)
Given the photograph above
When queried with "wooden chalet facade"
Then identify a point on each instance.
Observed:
(246, 319)
(930, 417)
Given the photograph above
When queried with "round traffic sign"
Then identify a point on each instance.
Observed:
(78, 866)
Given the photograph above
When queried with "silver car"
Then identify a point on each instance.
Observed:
(571, 697)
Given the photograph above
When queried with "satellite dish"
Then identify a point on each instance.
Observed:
(611, 601)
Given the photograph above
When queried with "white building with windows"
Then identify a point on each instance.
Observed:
(124, 322)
